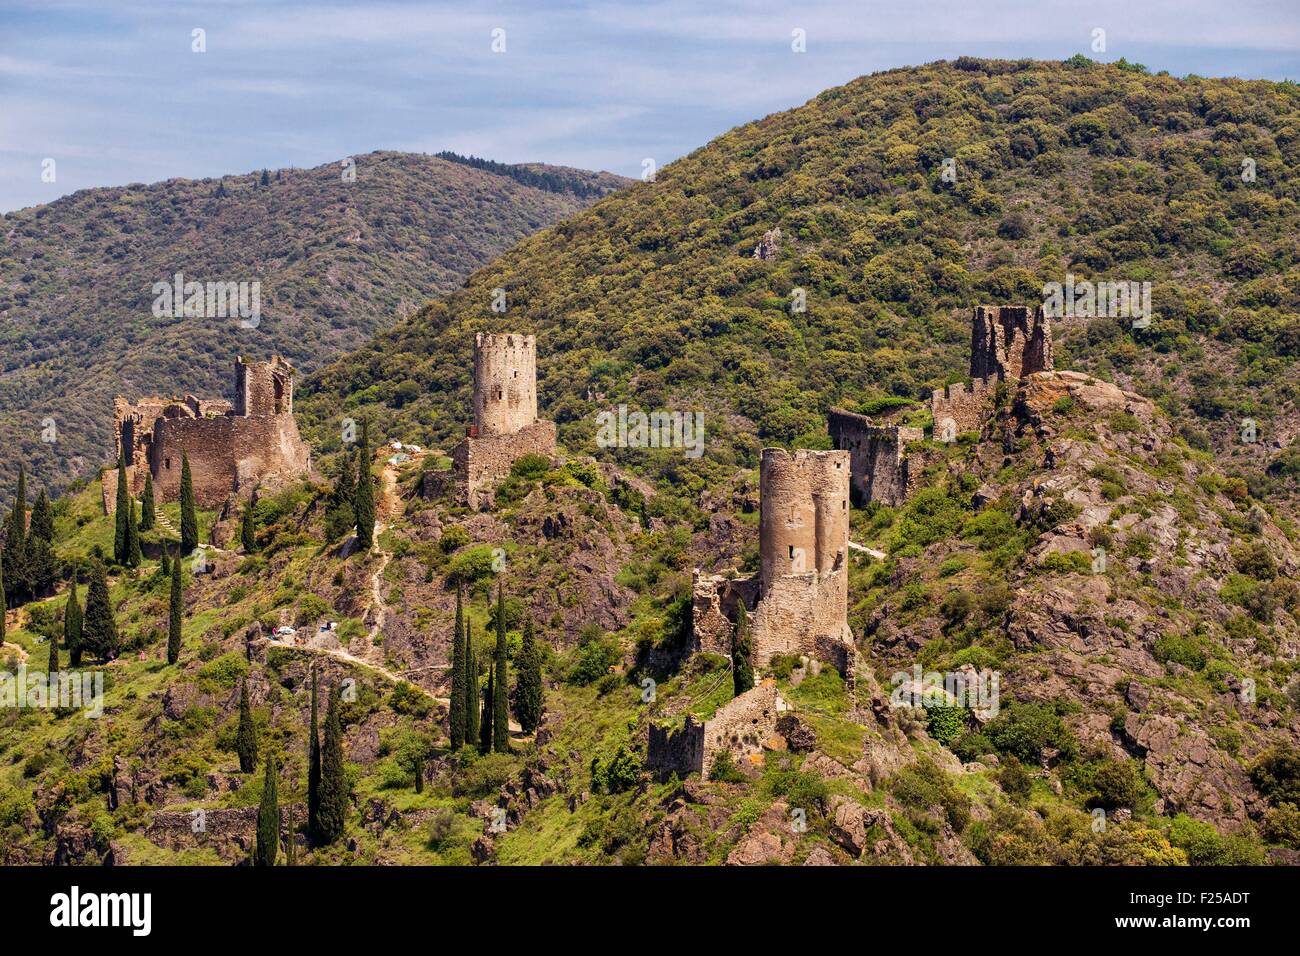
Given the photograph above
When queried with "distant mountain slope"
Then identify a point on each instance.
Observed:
(335, 260)
(654, 296)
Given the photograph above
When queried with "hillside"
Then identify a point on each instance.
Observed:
(1099, 542)
(653, 296)
(335, 260)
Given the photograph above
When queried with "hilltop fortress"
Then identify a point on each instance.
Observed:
(1008, 343)
(506, 426)
(230, 448)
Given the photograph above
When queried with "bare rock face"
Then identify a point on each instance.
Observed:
(859, 830)
(770, 840)
(769, 245)
(799, 737)
(820, 856)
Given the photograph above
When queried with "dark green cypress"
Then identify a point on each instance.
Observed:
(134, 554)
(189, 518)
(148, 512)
(528, 685)
(42, 525)
(4, 602)
(268, 819)
(332, 815)
(72, 624)
(313, 767)
(99, 626)
(501, 681)
(246, 535)
(742, 667)
(121, 515)
(53, 665)
(365, 506)
(486, 722)
(15, 562)
(175, 609)
(246, 736)
(471, 689)
(456, 717)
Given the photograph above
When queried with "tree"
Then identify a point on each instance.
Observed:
(246, 536)
(134, 554)
(500, 683)
(266, 178)
(365, 503)
(174, 611)
(742, 667)
(53, 665)
(332, 814)
(4, 604)
(42, 524)
(72, 624)
(412, 752)
(121, 514)
(189, 519)
(99, 627)
(268, 819)
(246, 736)
(148, 513)
(456, 717)
(528, 685)
(165, 562)
(15, 554)
(471, 689)
(486, 722)
(313, 767)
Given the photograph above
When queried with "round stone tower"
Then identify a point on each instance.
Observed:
(505, 383)
(803, 513)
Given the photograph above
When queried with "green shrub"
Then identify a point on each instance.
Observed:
(1023, 730)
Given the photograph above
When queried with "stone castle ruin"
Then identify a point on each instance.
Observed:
(744, 726)
(506, 426)
(231, 448)
(881, 468)
(798, 603)
(1008, 343)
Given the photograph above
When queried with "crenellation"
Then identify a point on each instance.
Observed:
(881, 467)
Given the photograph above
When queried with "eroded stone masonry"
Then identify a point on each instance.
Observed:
(881, 468)
(506, 426)
(231, 448)
(744, 726)
(798, 603)
(1008, 343)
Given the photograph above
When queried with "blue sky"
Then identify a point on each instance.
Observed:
(113, 93)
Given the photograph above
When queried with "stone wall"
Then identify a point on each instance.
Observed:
(743, 727)
(964, 406)
(480, 463)
(263, 389)
(714, 602)
(880, 467)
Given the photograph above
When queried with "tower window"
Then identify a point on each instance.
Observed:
(791, 552)
(499, 394)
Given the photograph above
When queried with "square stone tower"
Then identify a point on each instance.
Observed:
(263, 389)
(505, 383)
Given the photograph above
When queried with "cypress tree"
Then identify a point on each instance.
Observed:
(365, 506)
(42, 519)
(313, 768)
(332, 814)
(246, 736)
(528, 685)
(189, 519)
(134, 555)
(471, 689)
(121, 516)
(500, 683)
(165, 562)
(456, 717)
(268, 819)
(148, 513)
(15, 553)
(99, 626)
(72, 624)
(246, 537)
(486, 722)
(4, 603)
(174, 611)
(742, 668)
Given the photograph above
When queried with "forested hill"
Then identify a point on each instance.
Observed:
(1102, 171)
(336, 256)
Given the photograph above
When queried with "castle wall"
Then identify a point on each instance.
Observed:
(227, 454)
(480, 463)
(505, 383)
(1010, 341)
(714, 603)
(880, 468)
(965, 406)
(741, 727)
(263, 389)
(803, 522)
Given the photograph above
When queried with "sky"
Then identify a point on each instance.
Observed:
(115, 92)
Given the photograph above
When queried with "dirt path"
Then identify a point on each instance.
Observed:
(387, 507)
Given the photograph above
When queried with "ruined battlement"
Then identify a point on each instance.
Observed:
(505, 383)
(743, 726)
(230, 447)
(961, 407)
(881, 469)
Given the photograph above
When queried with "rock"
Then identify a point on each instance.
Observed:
(770, 840)
(848, 824)
(798, 735)
(820, 856)
(1138, 695)
(769, 245)
(482, 851)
